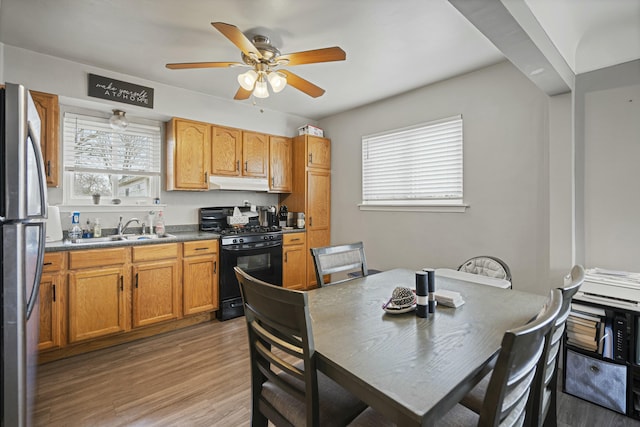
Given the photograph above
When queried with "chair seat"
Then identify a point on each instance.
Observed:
(337, 405)
(474, 399)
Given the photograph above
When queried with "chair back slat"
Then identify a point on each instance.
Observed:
(510, 384)
(543, 396)
(346, 258)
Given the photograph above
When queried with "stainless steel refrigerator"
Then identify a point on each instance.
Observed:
(23, 213)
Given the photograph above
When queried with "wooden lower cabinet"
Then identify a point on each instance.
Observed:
(96, 303)
(155, 284)
(200, 276)
(294, 261)
(50, 325)
(96, 298)
(52, 291)
(97, 285)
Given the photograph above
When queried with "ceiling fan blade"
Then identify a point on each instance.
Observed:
(183, 65)
(313, 56)
(236, 37)
(242, 93)
(302, 84)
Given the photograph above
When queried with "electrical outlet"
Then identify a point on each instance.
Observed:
(246, 202)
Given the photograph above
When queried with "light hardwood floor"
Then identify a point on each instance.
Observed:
(192, 377)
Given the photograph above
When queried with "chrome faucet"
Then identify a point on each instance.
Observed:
(122, 228)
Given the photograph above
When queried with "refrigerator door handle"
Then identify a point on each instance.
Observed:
(42, 179)
(35, 289)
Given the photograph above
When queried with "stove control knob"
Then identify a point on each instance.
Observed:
(241, 240)
(235, 240)
(265, 237)
(272, 237)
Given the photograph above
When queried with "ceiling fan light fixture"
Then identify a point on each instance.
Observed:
(278, 81)
(118, 121)
(261, 90)
(247, 80)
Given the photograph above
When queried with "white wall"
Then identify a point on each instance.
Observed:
(612, 176)
(561, 167)
(506, 178)
(69, 80)
(607, 129)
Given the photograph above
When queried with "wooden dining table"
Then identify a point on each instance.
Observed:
(412, 369)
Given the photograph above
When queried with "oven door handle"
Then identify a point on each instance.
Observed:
(235, 248)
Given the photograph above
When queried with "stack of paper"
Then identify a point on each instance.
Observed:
(449, 298)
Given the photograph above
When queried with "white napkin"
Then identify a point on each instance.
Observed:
(449, 298)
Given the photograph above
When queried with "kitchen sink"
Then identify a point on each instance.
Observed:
(121, 238)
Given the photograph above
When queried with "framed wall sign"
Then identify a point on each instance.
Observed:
(117, 90)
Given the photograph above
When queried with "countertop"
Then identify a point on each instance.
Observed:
(180, 236)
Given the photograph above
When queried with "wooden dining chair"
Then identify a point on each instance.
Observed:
(505, 403)
(542, 400)
(339, 259)
(487, 265)
(286, 388)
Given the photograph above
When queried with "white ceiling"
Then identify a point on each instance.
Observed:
(392, 46)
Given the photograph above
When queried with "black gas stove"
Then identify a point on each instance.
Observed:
(255, 248)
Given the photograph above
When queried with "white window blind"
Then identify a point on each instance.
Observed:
(91, 145)
(415, 165)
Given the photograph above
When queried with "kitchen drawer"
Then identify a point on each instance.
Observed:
(293, 239)
(597, 381)
(97, 257)
(200, 247)
(153, 252)
(53, 261)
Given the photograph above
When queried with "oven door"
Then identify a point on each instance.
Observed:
(263, 262)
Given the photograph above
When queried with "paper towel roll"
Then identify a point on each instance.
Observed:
(54, 229)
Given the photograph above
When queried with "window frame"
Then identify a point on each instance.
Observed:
(429, 129)
(155, 177)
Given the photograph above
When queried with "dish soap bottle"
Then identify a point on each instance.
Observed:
(75, 232)
(97, 229)
(160, 224)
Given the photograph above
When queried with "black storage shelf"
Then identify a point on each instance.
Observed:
(610, 382)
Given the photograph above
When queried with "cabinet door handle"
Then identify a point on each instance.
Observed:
(310, 157)
(238, 165)
(246, 165)
(201, 249)
(121, 283)
(206, 177)
(47, 263)
(295, 240)
(54, 292)
(215, 267)
(286, 257)
(310, 221)
(48, 167)
(136, 280)
(272, 181)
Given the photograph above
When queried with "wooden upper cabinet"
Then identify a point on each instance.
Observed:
(188, 154)
(255, 154)
(280, 164)
(319, 152)
(226, 151)
(49, 111)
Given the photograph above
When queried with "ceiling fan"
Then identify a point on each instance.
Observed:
(264, 61)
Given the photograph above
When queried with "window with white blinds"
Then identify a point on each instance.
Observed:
(123, 165)
(413, 166)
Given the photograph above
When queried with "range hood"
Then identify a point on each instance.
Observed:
(234, 183)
